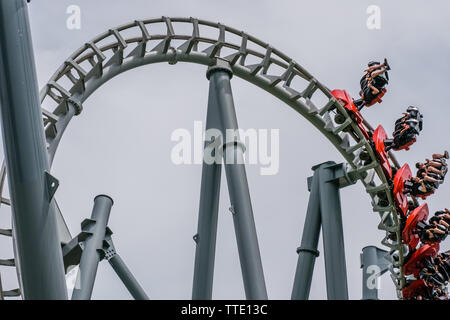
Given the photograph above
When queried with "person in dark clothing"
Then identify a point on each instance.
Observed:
(407, 128)
(373, 82)
(429, 176)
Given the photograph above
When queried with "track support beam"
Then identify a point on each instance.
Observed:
(324, 209)
(219, 76)
(205, 238)
(1, 289)
(96, 227)
(221, 119)
(333, 234)
(374, 265)
(307, 252)
(39, 257)
(127, 278)
(121, 269)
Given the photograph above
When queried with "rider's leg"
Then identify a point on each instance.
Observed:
(445, 224)
(374, 67)
(440, 156)
(430, 179)
(434, 170)
(433, 163)
(377, 72)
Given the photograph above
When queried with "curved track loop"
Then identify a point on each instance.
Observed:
(186, 40)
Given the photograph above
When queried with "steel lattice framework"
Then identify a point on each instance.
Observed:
(185, 40)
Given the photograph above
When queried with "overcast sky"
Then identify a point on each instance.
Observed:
(120, 145)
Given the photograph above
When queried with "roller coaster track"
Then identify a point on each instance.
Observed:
(174, 40)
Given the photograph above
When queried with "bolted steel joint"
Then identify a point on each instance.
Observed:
(76, 105)
(219, 65)
(312, 251)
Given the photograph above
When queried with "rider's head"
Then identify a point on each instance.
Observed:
(413, 111)
(373, 63)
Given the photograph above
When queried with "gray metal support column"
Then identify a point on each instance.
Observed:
(205, 238)
(244, 223)
(93, 246)
(1, 289)
(374, 265)
(127, 278)
(31, 189)
(307, 252)
(332, 230)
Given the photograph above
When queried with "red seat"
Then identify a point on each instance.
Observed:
(409, 237)
(425, 195)
(417, 287)
(379, 135)
(378, 98)
(413, 266)
(403, 174)
(347, 101)
(406, 146)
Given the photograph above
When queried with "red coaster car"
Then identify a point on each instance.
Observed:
(416, 288)
(403, 174)
(414, 264)
(347, 101)
(379, 135)
(408, 236)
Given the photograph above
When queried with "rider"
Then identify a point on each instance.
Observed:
(407, 128)
(428, 168)
(439, 162)
(429, 175)
(373, 82)
(412, 113)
